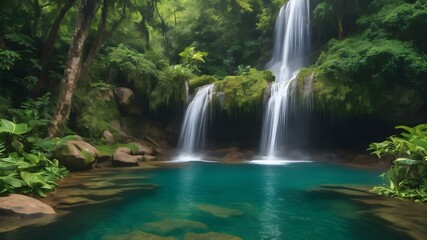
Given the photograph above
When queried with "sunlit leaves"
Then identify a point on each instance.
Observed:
(190, 53)
(245, 4)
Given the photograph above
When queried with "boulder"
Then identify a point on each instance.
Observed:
(122, 158)
(124, 98)
(149, 158)
(123, 95)
(152, 141)
(143, 149)
(76, 155)
(23, 206)
(108, 136)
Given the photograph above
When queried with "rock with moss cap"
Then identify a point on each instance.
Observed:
(76, 155)
(244, 93)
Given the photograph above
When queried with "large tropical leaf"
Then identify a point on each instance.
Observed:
(12, 181)
(10, 163)
(34, 180)
(407, 161)
(13, 128)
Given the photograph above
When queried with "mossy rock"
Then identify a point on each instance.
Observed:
(199, 81)
(244, 93)
(76, 155)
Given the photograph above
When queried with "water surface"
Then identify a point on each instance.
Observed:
(244, 200)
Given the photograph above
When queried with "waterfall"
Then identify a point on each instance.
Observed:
(291, 44)
(193, 128)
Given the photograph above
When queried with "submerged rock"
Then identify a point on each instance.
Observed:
(170, 225)
(76, 155)
(403, 216)
(137, 235)
(210, 236)
(20, 205)
(219, 211)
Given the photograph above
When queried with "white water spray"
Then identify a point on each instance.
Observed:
(291, 44)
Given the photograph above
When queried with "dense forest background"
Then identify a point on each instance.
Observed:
(367, 70)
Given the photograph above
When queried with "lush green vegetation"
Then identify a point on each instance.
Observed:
(378, 64)
(407, 178)
(244, 93)
(153, 48)
(26, 162)
(368, 57)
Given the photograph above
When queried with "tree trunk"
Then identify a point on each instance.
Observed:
(37, 16)
(87, 11)
(49, 43)
(103, 33)
(340, 26)
(145, 33)
(2, 42)
(164, 28)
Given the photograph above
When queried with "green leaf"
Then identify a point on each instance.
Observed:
(9, 163)
(12, 128)
(40, 192)
(17, 145)
(406, 161)
(33, 159)
(32, 179)
(12, 181)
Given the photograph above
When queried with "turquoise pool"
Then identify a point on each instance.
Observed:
(242, 200)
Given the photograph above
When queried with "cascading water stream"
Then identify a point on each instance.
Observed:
(291, 44)
(193, 128)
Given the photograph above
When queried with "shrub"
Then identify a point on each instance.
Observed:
(407, 178)
(24, 167)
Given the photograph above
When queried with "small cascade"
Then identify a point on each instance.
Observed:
(291, 44)
(187, 92)
(193, 128)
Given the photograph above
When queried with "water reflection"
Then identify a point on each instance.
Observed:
(268, 218)
(184, 192)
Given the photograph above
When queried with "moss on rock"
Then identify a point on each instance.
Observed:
(199, 81)
(244, 93)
